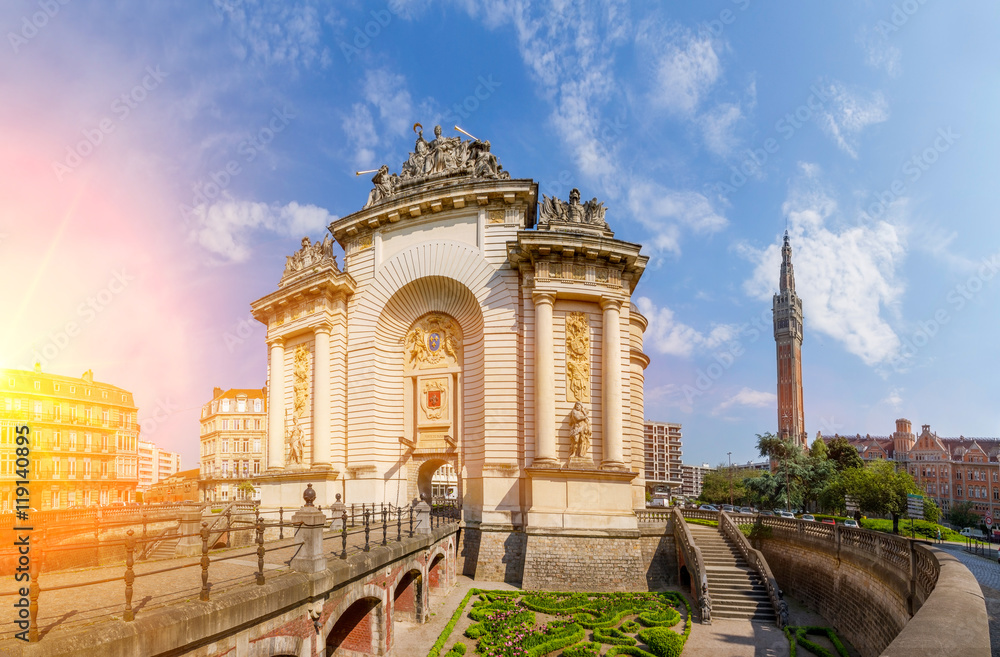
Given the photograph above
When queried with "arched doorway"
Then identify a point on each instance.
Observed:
(438, 480)
(358, 631)
(436, 576)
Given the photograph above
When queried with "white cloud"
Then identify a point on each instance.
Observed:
(225, 227)
(669, 395)
(278, 33)
(894, 399)
(360, 130)
(748, 397)
(668, 336)
(387, 92)
(665, 211)
(685, 65)
(848, 112)
(879, 53)
(718, 127)
(846, 277)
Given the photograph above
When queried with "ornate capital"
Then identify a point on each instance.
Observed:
(275, 342)
(323, 328)
(611, 304)
(541, 298)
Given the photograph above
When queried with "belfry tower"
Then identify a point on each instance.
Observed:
(787, 310)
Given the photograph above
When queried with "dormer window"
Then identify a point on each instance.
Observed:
(225, 405)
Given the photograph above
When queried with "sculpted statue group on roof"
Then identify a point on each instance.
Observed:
(310, 254)
(442, 155)
(573, 212)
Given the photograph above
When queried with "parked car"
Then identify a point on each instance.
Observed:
(828, 521)
(972, 533)
(708, 507)
(746, 509)
(786, 514)
(851, 522)
(729, 508)
(765, 512)
(809, 517)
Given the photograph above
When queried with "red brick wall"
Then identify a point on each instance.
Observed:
(355, 628)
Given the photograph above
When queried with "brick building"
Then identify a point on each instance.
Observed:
(949, 470)
(233, 443)
(662, 451)
(84, 439)
(178, 487)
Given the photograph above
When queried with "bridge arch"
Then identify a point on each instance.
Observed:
(358, 624)
(408, 595)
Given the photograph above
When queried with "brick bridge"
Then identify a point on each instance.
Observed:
(333, 588)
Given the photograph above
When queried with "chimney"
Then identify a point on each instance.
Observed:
(216, 392)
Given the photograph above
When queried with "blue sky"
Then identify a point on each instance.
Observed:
(187, 152)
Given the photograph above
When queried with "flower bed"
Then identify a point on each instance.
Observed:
(532, 624)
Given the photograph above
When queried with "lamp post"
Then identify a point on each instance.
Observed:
(730, 455)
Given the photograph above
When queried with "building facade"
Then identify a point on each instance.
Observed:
(949, 470)
(177, 487)
(692, 477)
(233, 444)
(84, 439)
(662, 450)
(155, 464)
(787, 308)
(472, 325)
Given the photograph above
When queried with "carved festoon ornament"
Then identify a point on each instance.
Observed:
(580, 431)
(440, 157)
(310, 255)
(577, 357)
(434, 341)
(591, 213)
(301, 379)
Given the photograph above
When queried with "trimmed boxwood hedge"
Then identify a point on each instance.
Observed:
(796, 634)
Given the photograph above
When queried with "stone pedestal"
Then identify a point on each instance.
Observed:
(422, 518)
(189, 546)
(337, 510)
(584, 498)
(309, 557)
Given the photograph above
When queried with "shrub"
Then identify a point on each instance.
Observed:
(613, 637)
(585, 649)
(631, 627)
(446, 632)
(667, 617)
(457, 650)
(662, 641)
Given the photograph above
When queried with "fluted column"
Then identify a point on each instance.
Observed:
(545, 389)
(612, 384)
(321, 400)
(276, 407)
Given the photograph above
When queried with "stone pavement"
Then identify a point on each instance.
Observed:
(987, 572)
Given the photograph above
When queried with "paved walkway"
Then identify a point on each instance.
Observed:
(987, 572)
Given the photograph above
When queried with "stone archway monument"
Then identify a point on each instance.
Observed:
(475, 326)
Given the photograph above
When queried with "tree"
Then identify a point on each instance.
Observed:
(844, 454)
(819, 449)
(962, 515)
(715, 485)
(880, 489)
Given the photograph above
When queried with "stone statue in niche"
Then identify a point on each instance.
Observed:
(295, 442)
(577, 357)
(580, 431)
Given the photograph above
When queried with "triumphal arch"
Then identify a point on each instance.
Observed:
(470, 324)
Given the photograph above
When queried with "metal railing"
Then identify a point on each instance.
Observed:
(375, 522)
(755, 560)
(695, 563)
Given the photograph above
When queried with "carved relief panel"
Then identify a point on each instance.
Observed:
(432, 362)
(577, 357)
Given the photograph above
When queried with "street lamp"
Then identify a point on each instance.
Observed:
(730, 455)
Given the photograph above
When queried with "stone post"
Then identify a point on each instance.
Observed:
(309, 536)
(189, 546)
(276, 407)
(611, 385)
(337, 509)
(422, 519)
(321, 401)
(545, 390)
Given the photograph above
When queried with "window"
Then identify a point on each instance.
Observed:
(38, 409)
(88, 392)
(256, 406)
(241, 405)
(225, 446)
(38, 385)
(104, 394)
(225, 425)
(256, 444)
(55, 499)
(55, 467)
(72, 389)
(256, 467)
(72, 467)
(256, 425)
(225, 405)
(89, 414)
(57, 412)
(104, 417)
(104, 443)
(55, 386)
(56, 440)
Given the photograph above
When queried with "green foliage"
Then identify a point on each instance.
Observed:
(797, 635)
(668, 617)
(755, 531)
(962, 515)
(457, 650)
(819, 449)
(922, 528)
(843, 454)
(634, 651)
(662, 641)
(613, 637)
(443, 638)
(715, 485)
(631, 627)
(585, 649)
(879, 488)
(702, 521)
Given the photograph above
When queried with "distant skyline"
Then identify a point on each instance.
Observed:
(159, 164)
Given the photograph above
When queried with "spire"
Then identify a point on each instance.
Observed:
(787, 283)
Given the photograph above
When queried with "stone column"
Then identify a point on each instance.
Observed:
(276, 407)
(321, 400)
(611, 385)
(309, 557)
(545, 389)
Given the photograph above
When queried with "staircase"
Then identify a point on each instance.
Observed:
(735, 589)
(166, 545)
